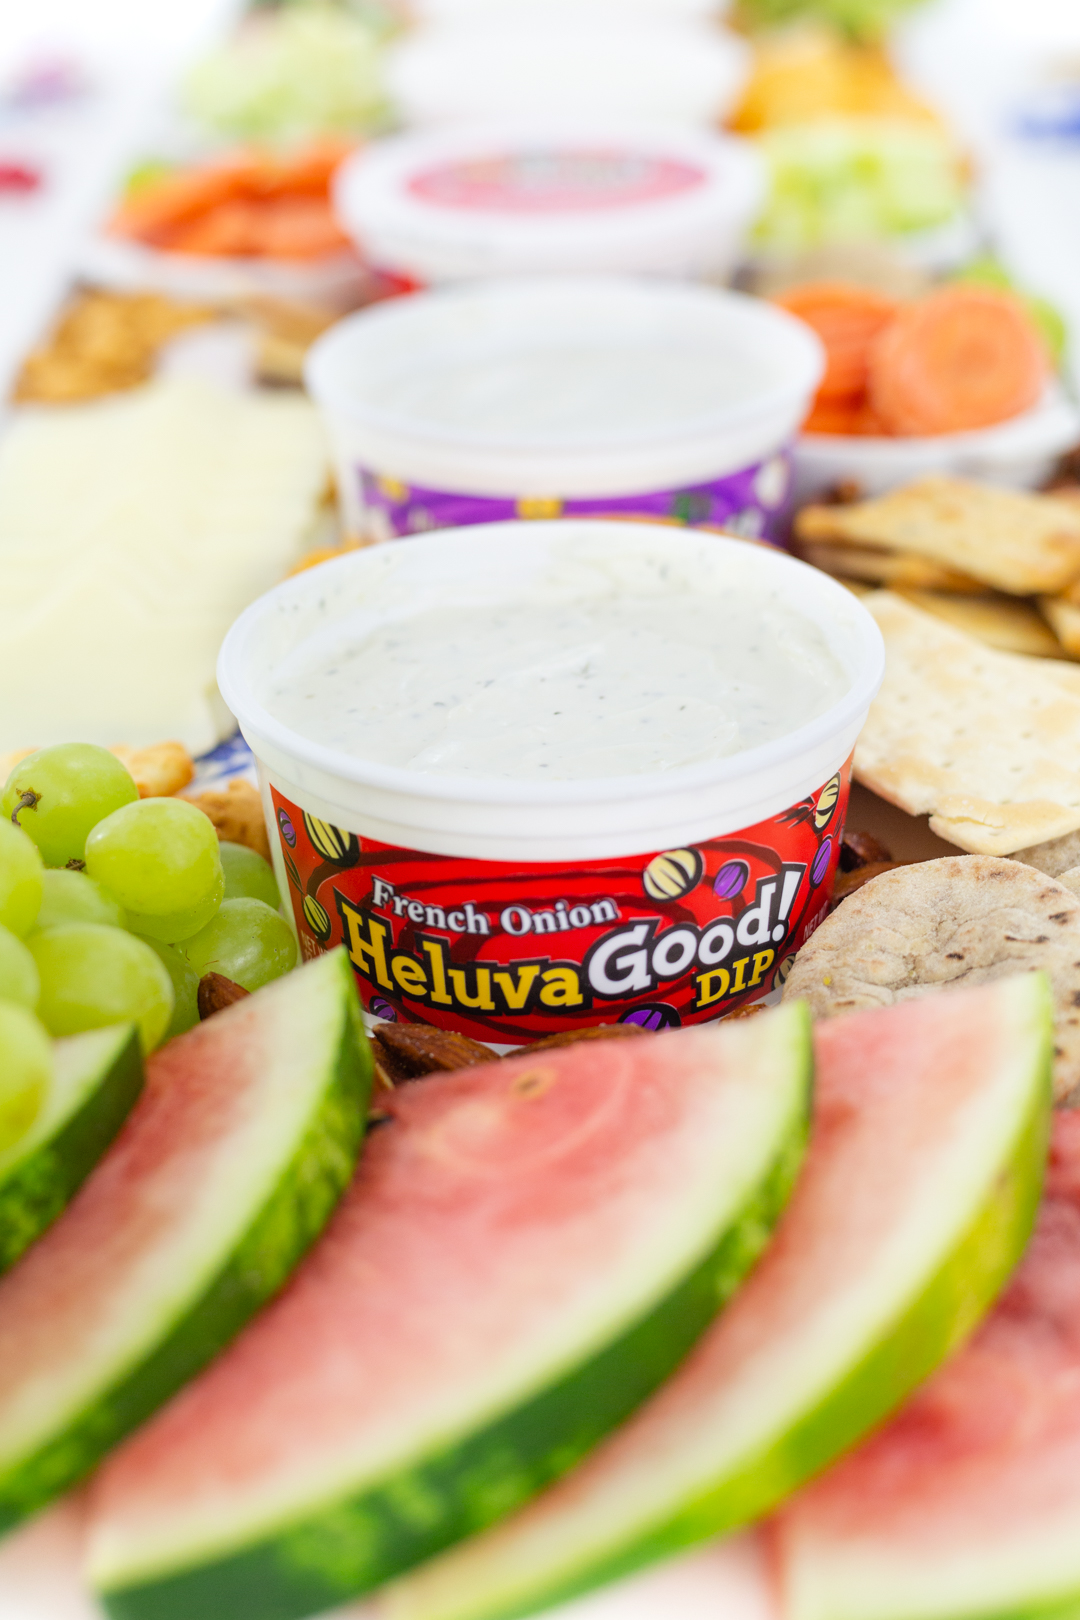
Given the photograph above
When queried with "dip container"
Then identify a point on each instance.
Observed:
(584, 396)
(551, 198)
(566, 60)
(511, 909)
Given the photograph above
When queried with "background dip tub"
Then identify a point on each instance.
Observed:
(549, 197)
(586, 396)
(509, 906)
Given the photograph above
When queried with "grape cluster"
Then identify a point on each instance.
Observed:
(112, 908)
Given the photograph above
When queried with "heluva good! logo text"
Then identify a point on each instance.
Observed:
(508, 953)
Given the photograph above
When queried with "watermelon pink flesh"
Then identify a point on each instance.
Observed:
(105, 1316)
(969, 1502)
(508, 1217)
(773, 1390)
(75, 1284)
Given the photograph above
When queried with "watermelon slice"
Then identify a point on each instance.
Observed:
(918, 1195)
(528, 1249)
(98, 1077)
(228, 1166)
(968, 1504)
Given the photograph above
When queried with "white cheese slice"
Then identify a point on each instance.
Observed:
(132, 532)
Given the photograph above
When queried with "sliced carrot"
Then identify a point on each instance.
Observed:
(254, 203)
(847, 319)
(853, 418)
(311, 169)
(297, 228)
(176, 198)
(231, 231)
(962, 358)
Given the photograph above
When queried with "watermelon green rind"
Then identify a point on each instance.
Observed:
(919, 1341)
(966, 1506)
(355, 1543)
(302, 1199)
(98, 1077)
(904, 1352)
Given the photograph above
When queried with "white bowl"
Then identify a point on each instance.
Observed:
(337, 281)
(1019, 454)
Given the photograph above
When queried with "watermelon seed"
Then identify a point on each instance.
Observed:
(534, 1082)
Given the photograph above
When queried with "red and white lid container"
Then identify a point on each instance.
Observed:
(514, 198)
(510, 908)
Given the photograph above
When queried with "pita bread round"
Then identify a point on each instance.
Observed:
(965, 919)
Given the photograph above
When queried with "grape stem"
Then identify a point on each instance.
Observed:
(27, 801)
(75, 865)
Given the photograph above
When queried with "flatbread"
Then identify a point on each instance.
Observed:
(965, 919)
(1055, 857)
(1020, 543)
(1001, 621)
(880, 567)
(986, 743)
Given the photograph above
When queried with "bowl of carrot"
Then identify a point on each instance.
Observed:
(956, 380)
(252, 220)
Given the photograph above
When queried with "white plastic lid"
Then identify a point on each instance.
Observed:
(579, 385)
(566, 66)
(514, 198)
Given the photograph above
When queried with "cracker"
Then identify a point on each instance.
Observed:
(878, 567)
(965, 919)
(986, 743)
(160, 770)
(1061, 671)
(237, 813)
(1000, 621)
(1021, 543)
(1063, 617)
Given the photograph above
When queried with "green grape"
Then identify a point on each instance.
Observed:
(247, 942)
(248, 876)
(159, 858)
(92, 976)
(173, 926)
(74, 897)
(20, 880)
(185, 983)
(26, 1072)
(67, 790)
(19, 979)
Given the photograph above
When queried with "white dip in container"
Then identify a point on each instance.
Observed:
(551, 198)
(539, 777)
(590, 396)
